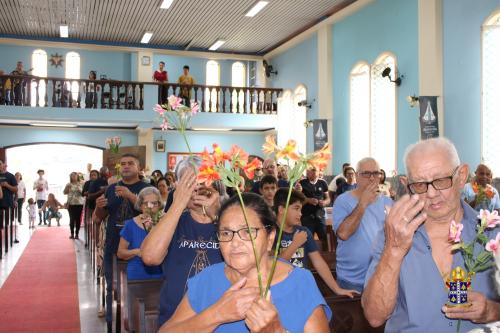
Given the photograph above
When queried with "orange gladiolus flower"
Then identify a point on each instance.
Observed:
(270, 146)
(250, 168)
(321, 157)
(219, 156)
(289, 151)
(207, 174)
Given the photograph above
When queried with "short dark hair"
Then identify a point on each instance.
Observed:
(282, 194)
(347, 169)
(162, 179)
(254, 202)
(162, 62)
(345, 165)
(40, 170)
(95, 171)
(186, 67)
(268, 179)
(133, 156)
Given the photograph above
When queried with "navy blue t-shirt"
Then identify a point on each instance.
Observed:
(94, 187)
(300, 257)
(8, 196)
(194, 246)
(119, 210)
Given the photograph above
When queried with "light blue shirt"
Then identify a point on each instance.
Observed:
(469, 195)
(295, 298)
(353, 254)
(421, 291)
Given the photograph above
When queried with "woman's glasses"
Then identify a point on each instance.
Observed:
(246, 234)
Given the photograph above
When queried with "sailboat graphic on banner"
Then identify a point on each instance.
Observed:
(429, 116)
(320, 133)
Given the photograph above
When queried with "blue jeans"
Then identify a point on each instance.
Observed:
(39, 204)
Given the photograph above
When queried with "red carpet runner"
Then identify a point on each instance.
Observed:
(41, 293)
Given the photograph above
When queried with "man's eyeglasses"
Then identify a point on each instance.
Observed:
(368, 174)
(245, 234)
(438, 184)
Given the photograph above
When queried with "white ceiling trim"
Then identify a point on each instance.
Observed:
(114, 48)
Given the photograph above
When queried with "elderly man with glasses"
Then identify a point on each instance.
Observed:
(358, 216)
(413, 258)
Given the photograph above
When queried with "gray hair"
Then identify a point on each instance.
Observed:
(147, 191)
(425, 146)
(187, 162)
(219, 186)
(366, 160)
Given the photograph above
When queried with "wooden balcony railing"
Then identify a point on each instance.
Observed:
(33, 91)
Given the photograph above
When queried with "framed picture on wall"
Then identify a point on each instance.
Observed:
(174, 158)
(146, 60)
(160, 146)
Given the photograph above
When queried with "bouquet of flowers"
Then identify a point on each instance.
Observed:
(474, 263)
(226, 166)
(113, 143)
(150, 218)
(175, 115)
(483, 193)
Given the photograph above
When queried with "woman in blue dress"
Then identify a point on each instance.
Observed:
(135, 231)
(225, 296)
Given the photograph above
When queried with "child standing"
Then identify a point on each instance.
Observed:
(31, 208)
(297, 242)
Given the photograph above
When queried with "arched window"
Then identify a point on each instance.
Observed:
(298, 119)
(73, 72)
(39, 65)
(292, 118)
(212, 79)
(490, 115)
(383, 114)
(359, 112)
(238, 79)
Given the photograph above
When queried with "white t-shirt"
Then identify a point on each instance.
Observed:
(41, 186)
(333, 184)
(21, 188)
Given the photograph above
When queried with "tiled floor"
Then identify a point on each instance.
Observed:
(88, 290)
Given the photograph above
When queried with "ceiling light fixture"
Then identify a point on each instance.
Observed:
(146, 38)
(256, 8)
(53, 124)
(216, 45)
(63, 31)
(165, 4)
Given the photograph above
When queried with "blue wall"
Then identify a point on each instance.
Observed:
(197, 67)
(462, 20)
(385, 25)
(116, 65)
(251, 142)
(299, 65)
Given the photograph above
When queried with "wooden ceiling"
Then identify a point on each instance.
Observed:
(187, 24)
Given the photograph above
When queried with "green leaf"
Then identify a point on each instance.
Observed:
(483, 239)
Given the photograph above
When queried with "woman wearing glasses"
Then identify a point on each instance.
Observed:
(184, 241)
(225, 296)
(133, 234)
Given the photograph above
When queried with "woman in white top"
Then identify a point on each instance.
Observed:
(21, 196)
(74, 191)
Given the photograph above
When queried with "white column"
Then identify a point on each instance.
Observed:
(145, 137)
(430, 53)
(325, 82)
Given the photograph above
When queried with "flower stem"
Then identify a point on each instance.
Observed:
(278, 242)
(458, 325)
(257, 259)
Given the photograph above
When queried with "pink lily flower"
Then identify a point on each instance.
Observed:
(494, 244)
(174, 101)
(490, 220)
(158, 109)
(164, 125)
(194, 108)
(455, 232)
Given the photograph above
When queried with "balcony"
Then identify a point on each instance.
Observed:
(36, 92)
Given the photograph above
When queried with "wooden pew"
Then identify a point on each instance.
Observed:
(119, 267)
(348, 316)
(140, 301)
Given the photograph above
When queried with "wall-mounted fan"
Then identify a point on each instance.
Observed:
(269, 69)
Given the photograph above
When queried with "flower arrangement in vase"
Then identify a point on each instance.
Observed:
(113, 144)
